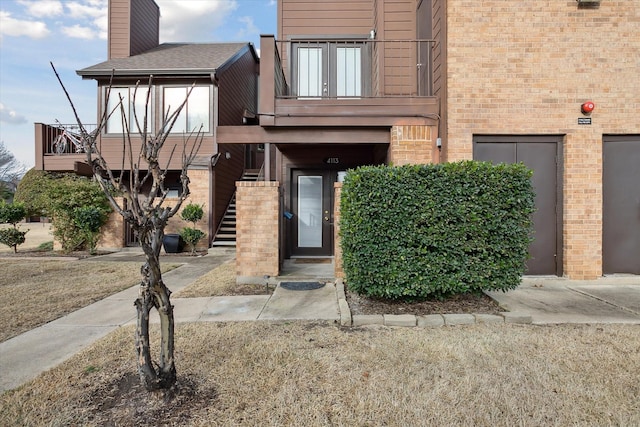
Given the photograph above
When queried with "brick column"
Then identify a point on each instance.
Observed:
(257, 230)
(337, 249)
(112, 236)
(412, 145)
(583, 205)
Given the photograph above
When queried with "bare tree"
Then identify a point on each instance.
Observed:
(146, 213)
(11, 170)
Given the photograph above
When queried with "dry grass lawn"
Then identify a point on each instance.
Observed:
(34, 292)
(221, 281)
(302, 374)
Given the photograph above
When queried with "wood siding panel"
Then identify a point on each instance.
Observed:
(399, 20)
(226, 173)
(112, 150)
(238, 90)
(145, 17)
(118, 32)
(323, 18)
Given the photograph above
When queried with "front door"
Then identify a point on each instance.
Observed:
(621, 205)
(312, 209)
(539, 154)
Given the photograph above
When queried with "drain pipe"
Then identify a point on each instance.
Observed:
(213, 160)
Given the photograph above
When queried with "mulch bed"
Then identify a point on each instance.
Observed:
(456, 304)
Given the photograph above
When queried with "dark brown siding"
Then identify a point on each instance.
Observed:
(133, 27)
(399, 21)
(237, 89)
(312, 17)
(300, 18)
(145, 17)
(226, 173)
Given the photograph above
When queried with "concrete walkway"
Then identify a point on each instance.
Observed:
(537, 300)
(613, 299)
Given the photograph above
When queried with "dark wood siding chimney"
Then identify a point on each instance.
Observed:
(134, 27)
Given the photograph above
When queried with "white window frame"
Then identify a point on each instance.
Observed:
(182, 124)
(114, 122)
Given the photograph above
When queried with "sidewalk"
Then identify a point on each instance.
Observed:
(552, 300)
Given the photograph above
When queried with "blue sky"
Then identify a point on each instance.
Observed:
(72, 35)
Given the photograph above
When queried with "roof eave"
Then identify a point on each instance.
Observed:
(196, 72)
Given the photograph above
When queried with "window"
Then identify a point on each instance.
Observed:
(330, 69)
(197, 111)
(132, 99)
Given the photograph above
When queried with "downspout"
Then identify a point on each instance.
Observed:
(213, 160)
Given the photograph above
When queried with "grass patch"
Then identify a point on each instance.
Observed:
(33, 293)
(221, 281)
(259, 373)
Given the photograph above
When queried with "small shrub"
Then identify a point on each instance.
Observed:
(45, 246)
(12, 214)
(12, 237)
(192, 213)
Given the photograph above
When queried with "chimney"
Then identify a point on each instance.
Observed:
(134, 27)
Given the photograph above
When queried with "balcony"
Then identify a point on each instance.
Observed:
(58, 147)
(332, 82)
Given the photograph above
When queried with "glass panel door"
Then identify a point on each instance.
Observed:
(348, 72)
(309, 63)
(309, 211)
(311, 224)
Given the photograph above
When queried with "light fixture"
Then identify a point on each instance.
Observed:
(587, 107)
(372, 34)
(227, 155)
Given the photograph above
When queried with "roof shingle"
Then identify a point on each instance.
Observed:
(169, 58)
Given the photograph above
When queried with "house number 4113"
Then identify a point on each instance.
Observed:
(332, 160)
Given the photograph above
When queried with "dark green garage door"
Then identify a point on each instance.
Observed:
(621, 204)
(542, 155)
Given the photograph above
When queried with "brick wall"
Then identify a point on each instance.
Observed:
(199, 195)
(525, 68)
(412, 145)
(257, 230)
(337, 249)
(113, 231)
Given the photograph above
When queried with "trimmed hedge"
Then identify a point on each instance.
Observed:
(420, 231)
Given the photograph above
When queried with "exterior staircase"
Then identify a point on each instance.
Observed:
(226, 234)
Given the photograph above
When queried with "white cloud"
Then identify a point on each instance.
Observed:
(94, 17)
(87, 9)
(79, 32)
(17, 27)
(10, 116)
(42, 8)
(192, 20)
(248, 29)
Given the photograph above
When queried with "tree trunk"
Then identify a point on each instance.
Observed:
(154, 294)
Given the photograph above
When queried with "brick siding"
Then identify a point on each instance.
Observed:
(412, 145)
(525, 68)
(257, 230)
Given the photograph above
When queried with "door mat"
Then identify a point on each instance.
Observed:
(313, 260)
(301, 286)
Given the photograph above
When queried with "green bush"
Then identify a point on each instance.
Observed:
(420, 231)
(192, 213)
(12, 214)
(59, 196)
(90, 220)
(12, 237)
